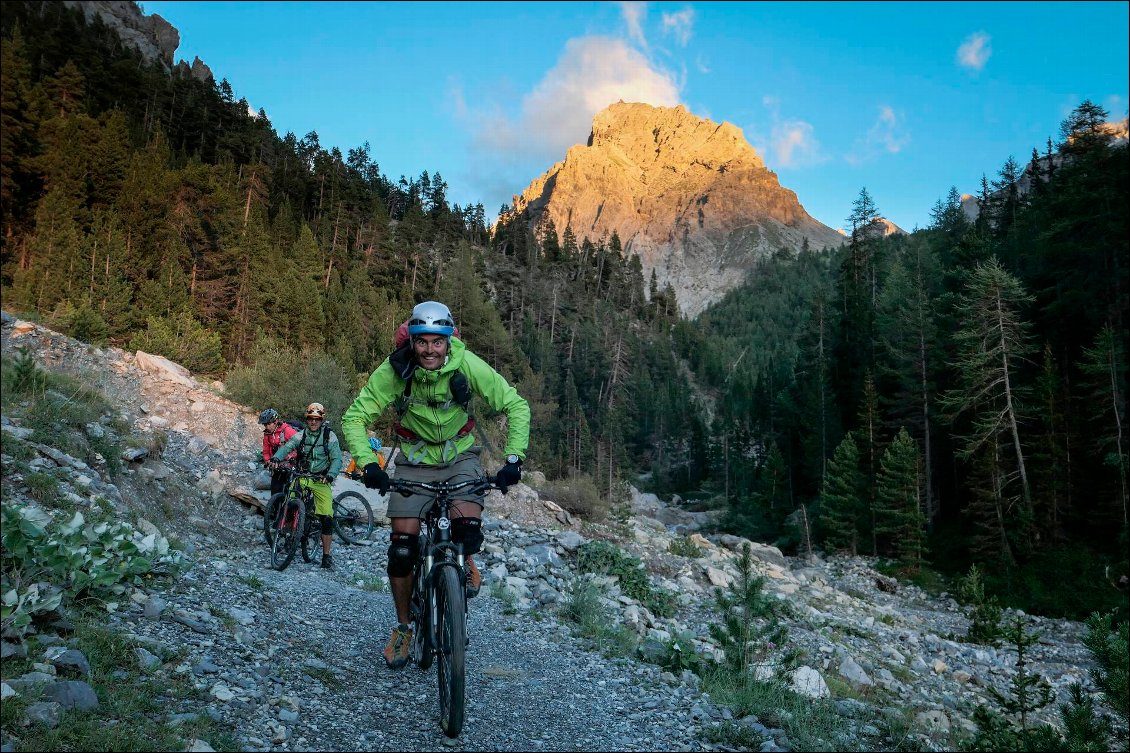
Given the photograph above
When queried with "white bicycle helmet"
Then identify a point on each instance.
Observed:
(431, 318)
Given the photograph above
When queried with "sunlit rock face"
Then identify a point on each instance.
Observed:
(691, 197)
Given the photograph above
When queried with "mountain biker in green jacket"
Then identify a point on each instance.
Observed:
(431, 379)
(319, 453)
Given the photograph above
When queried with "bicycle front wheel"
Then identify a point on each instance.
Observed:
(290, 523)
(269, 514)
(353, 517)
(451, 635)
(421, 607)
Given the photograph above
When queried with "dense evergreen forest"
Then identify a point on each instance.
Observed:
(953, 396)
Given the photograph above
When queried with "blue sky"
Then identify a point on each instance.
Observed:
(905, 99)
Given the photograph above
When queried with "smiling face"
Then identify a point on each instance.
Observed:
(431, 350)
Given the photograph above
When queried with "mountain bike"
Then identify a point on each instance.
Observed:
(353, 516)
(438, 605)
(292, 520)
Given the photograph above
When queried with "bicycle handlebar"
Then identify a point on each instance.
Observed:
(295, 473)
(482, 483)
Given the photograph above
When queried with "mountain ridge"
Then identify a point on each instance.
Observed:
(690, 196)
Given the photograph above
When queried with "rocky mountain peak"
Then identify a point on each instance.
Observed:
(675, 133)
(153, 36)
(690, 196)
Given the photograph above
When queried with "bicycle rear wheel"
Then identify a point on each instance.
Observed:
(451, 633)
(269, 513)
(291, 522)
(353, 517)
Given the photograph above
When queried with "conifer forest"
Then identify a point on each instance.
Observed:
(948, 397)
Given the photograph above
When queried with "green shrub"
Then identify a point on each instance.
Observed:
(605, 558)
(43, 488)
(87, 325)
(579, 496)
(684, 547)
(748, 630)
(1108, 640)
(26, 376)
(984, 612)
(288, 380)
(182, 339)
(583, 607)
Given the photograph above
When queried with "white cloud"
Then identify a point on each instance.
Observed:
(679, 24)
(975, 51)
(1116, 106)
(794, 144)
(592, 73)
(701, 64)
(888, 134)
(634, 14)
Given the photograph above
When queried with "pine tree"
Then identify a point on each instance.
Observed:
(992, 345)
(908, 349)
(1105, 368)
(899, 515)
(843, 509)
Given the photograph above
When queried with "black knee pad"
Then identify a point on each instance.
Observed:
(402, 554)
(327, 524)
(469, 533)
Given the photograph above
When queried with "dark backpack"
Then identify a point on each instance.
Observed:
(295, 424)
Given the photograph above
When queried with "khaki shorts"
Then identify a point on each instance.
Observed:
(465, 466)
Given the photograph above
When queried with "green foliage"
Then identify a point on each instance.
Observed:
(42, 487)
(810, 723)
(1109, 643)
(87, 325)
(123, 693)
(605, 558)
(898, 507)
(682, 546)
(842, 505)
(369, 582)
(184, 340)
(985, 614)
(584, 608)
(679, 654)
(748, 629)
(289, 380)
(579, 496)
(27, 378)
(1084, 728)
(47, 560)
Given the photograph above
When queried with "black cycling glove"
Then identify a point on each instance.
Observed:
(507, 476)
(376, 478)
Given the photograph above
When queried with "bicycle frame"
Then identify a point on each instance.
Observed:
(437, 550)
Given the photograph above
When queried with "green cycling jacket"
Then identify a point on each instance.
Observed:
(319, 454)
(432, 413)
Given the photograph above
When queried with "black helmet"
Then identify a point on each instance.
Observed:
(270, 415)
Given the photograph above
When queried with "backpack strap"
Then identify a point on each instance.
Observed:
(458, 386)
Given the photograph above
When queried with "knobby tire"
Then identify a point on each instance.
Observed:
(269, 513)
(451, 634)
(424, 599)
(291, 523)
(352, 524)
(311, 538)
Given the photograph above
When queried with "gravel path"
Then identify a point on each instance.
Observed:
(305, 670)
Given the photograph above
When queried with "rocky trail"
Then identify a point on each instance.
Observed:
(292, 660)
